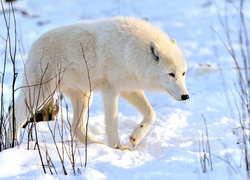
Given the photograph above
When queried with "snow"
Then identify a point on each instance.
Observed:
(173, 147)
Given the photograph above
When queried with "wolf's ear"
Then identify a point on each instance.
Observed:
(174, 41)
(154, 51)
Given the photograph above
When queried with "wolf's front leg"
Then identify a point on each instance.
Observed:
(110, 105)
(139, 101)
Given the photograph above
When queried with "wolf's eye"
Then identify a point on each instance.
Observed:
(183, 74)
(171, 74)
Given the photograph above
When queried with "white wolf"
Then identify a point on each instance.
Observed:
(116, 56)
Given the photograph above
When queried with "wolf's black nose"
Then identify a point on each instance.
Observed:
(184, 97)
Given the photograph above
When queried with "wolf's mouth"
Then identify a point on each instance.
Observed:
(178, 99)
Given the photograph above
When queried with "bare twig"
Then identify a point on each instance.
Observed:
(207, 143)
(90, 93)
(37, 142)
(242, 63)
(10, 25)
(57, 149)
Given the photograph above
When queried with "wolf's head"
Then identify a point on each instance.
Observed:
(156, 62)
(168, 69)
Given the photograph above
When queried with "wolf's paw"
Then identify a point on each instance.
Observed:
(137, 135)
(122, 147)
(139, 132)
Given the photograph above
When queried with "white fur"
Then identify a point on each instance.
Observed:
(121, 55)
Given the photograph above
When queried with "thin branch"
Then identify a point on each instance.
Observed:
(208, 144)
(90, 91)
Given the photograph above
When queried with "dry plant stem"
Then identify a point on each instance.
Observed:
(69, 129)
(227, 161)
(31, 109)
(72, 145)
(13, 60)
(204, 154)
(50, 164)
(60, 130)
(79, 171)
(90, 90)
(202, 160)
(79, 153)
(208, 144)
(57, 149)
(12, 55)
(37, 107)
(48, 160)
(62, 137)
(2, 128)
(241, 59)
(30, 136)
(241, 121)
(72, 149)
(244, 42)
(61, 134)
(200, 151)
(2, 131)
(205, 150)
(244, 85)
(36, 143)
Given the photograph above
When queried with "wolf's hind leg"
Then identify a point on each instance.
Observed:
(80, 102)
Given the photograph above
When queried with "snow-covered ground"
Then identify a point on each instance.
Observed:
(173, 147)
